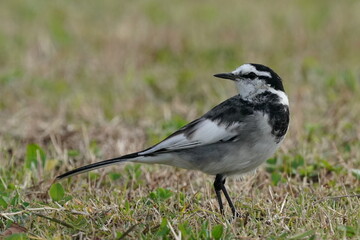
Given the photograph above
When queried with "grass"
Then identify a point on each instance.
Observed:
(89, 80)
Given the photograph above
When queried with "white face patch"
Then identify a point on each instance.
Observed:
(248, 68)
(248, 88)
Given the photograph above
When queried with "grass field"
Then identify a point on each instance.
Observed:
(82, 81)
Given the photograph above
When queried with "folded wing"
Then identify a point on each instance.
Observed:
(221, 124)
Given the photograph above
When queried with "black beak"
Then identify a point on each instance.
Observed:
(230, 76)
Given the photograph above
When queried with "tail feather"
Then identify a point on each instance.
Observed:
(97, 165)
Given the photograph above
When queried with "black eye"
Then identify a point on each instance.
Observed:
(251, 75)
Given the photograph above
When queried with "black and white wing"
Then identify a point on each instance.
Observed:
(225, 122)
(221, 124)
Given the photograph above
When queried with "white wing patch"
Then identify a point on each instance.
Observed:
(206, 132)
(211, 132)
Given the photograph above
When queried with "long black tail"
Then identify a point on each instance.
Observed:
(97, 165)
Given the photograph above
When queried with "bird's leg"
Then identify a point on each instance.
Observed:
(218, 188)
(233, 210)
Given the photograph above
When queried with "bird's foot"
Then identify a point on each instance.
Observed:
(241, 217)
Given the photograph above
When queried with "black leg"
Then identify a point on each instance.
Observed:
(233, 210)
(219, 185)
(218, 188)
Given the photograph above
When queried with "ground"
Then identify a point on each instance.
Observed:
(82, 81)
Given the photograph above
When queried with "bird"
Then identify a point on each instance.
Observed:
(233, 138)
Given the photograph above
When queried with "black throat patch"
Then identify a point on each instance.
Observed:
(279, 115)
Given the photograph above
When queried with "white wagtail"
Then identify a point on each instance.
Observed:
(233, 138)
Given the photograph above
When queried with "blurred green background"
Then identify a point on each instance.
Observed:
(109, 55)
(88, 80)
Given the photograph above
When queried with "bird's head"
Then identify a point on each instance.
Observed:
(252, 79)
